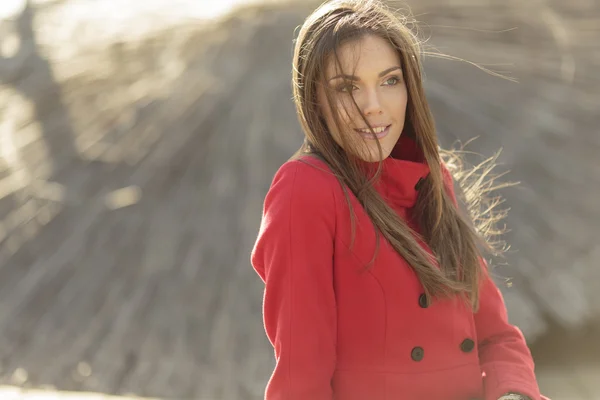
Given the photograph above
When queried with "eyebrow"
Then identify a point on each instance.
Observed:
(356, 78)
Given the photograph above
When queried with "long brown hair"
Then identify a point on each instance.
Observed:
(451, 234)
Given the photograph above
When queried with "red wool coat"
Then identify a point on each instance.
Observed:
(342, 332)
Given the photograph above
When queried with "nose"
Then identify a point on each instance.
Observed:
(372, 103)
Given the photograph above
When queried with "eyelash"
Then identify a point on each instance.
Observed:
(342, 87)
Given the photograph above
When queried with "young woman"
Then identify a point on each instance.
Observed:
(374, 285)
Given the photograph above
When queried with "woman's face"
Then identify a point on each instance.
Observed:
(379, 90)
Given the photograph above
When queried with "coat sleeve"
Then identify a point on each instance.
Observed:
(505, 359)
(294, 256)
(504, 356)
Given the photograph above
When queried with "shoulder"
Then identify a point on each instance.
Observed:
(307, 177)
(299, 210)
(303, 183)
(306, 169)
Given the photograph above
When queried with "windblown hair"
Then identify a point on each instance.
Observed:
(456, 238)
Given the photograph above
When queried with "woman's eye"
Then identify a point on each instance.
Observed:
(346, 88)
(394, 80)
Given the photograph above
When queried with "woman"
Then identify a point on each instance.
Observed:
(374, 285)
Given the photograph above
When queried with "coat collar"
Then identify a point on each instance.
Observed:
(401, 173)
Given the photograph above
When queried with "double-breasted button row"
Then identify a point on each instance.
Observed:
(417, 353)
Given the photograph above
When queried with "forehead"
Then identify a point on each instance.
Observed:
(366, 56)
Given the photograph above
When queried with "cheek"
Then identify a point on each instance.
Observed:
(346, 109)
(329, 122)
(403, 103)
(397, 102)
(404, 99)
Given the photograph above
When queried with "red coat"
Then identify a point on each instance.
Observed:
(342, 332)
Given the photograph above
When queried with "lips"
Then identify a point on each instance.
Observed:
(380, 132)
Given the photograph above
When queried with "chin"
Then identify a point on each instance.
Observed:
(373, 156)
(368, 151)
(386, 150)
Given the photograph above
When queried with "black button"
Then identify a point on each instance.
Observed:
(423, 302)
(467, 345)
(417, 353)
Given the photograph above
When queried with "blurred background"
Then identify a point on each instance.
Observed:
(137, 142)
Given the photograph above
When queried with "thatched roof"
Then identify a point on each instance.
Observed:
(133, 176)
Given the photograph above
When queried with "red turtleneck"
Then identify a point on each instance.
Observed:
(346, 333)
